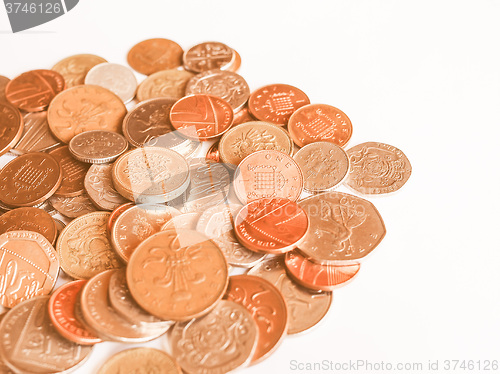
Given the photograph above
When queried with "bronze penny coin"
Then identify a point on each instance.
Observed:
(62, 314)
(152, 55)
(242, 116)
(377, 168)
(115, 214)
(34, 90)
(305, 308)
(73, 207)
(319, 122)
(169, 84)
(74, 69)
(30, 343)
(84, 249)
(29, 219)
(209, 55)
(3, 83)
(177, 274)
(36, 135)
(275, 103)
(201, 117)
(228, 335)
(60, 225)
(83, 108)
(11, 127)
(136, 224)
(73, 173)
(136, 360)
(343, 228)
(268, 308)
(28, 267)
(29, 179)
(235, 66)
(213, 154)
(97, 146)
(99, 186)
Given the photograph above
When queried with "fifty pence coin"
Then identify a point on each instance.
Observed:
(100, 189)
(11, 127)
(152, 55)
(117, 78)
(97, 146)
(36, 135)
(73, 173)
(165, 83)
(75, 68)
(209, 55)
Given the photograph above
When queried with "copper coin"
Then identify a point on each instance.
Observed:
(235, 66)
(28, 267)
(29, 219)
(36, 135)
(316, 276)
(30, 343)
(73, 173)
(275, 103)
(268, 309)
(84, 249)
(207, 56)
(220, 342)
(73, 207)
(201, 117)
(268, 174)
(117, 78)
(3, 83)
(29, 179)
(343, 228)
(99, 186)
(84, 108)
(319, 122)
(242, 116)
(136, 224)
(136, 360)
(62, 314)
(182, 221)
(377, 168)
(97, 146)
(177, 275)
(75, 68)
(324, 165)
(250, 137)
(224, 84)
(34, 90)
(165, 84)
(213, 154)
(115, 214)
(60, 225)
(305, 308)
(152, 55)
(11, 127)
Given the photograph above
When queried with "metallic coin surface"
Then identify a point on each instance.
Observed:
(177, 274)
(75, 68)
(268, 308)
(250, 137)
(28, 267)
(99, 186)
(84, 249)
(34, 90)
(268, 174)
(84, 108)
(73, 207)
(152, 55)
(323, 164)
(31, 344)
(305, 308)
(213, 154)
(217, 223)
(377, 168)
(29, 219)
(60, 225)
(236, 64)
(62, 314)
(11, 127)
(275, 103)
(220, 342)
(224, 84)
(319, 122)
(3, 83)
(166, 84)
(73, 173)
(117, 78)
(343, 228)
(207, 56)
(242, 116)
(29, 179)
(36, 135)
(115, 214)
(201, 117)
(316, 276)
(97, 146)
(186, 221)
(141, 360)
(150, 175)
(136, 224)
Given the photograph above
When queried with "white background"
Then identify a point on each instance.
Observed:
(420, 75)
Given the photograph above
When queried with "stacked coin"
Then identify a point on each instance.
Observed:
(149, 231)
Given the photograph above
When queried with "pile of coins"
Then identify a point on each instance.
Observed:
(149, 231)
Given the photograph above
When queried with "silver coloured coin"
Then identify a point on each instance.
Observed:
(117, 78)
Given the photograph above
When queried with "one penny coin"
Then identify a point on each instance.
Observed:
(166, 84)
(207, 56)
(235, 66)
(99, 186)
(73, 207)
(3, 83)
(74, 69)
(34, 90)
(36, 135)
(84, 108)
(73, 173)
(29, 219)
(242, 116)
(11, 127)
(136, 360)
(97, 146)
(29, 179)
(117, 78)
(201, 117)
(213, 154)
(152, 55)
